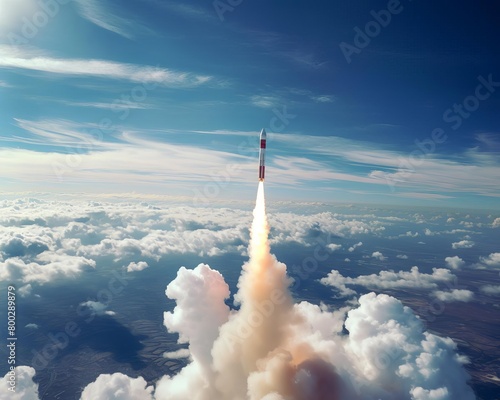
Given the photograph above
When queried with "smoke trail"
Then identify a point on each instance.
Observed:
(256, 353)
(258, 327)
(273, 349)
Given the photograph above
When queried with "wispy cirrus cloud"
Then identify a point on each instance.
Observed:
(36, 61)
(423, 196)
(188, 11)
(472, 171)
(264, 101)
(322, 159)
(323, 99)
(114, 105)
(102, 16)
(489, 140)
(55, 133)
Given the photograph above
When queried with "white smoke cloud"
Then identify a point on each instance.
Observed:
(402, 256)
(386, 355)
(25, 388)
(454, 262)
(200, 310)
(462, 295)
(181, 353)
(117, 387)
(273, 349)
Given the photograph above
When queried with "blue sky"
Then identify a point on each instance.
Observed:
(166, 98)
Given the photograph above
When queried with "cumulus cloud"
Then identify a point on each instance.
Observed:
(462, 295)
(493, 260)
(428, 232)
(117, 387)
(379, 256)
(97, 308)
(26, 389)
(133, 266)
(65, 239)
(491, 290)
(454, 262)
(402, 256)
(413, 279)
(463, 244)
(355, 246)
(496, 223)
(46, 267)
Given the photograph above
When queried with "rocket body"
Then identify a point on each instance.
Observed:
(262, 155)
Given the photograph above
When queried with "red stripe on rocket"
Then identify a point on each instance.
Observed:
(262, 154)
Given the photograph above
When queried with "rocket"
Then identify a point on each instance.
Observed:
(262, 154)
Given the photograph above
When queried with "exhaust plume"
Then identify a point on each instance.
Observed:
(273, 349)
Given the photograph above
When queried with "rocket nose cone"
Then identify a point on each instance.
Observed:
(263, 134)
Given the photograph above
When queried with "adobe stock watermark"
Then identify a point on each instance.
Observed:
(454, 116)
(30, 27)
(221, 179)
(223, 6)
(363, 37)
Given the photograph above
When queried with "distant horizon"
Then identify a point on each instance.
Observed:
(219, 202)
